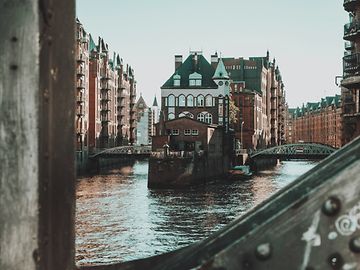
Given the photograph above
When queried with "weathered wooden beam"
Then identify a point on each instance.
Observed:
(311, 224)
(36, 134)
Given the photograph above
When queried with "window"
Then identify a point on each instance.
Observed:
(177, 78)
(208, 101)
(200, 101)
(187, 132)
(171, 116)
(190, 101)
(208, 118)
(175, 132)
(181, 101)
(195, 132)
(171, 100)
(195, 79)
(201, 117)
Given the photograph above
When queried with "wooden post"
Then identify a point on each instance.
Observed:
(37, 194)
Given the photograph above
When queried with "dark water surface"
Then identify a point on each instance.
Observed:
(119, 219)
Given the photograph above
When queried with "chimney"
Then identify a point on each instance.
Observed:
(178, 61)
(214, 60)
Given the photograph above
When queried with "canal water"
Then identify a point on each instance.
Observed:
(119, 219)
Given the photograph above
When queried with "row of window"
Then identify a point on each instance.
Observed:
(190, 101)
(187, 132)
(203, 116)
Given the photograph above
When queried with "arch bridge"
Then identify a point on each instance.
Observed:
(295, 151)
(135, 151)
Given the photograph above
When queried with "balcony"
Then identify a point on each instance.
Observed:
(80, 99)
(105, 98)
(351, 65)
(105, 86)
(349, 5)
(80, 85)
(81, 58)
(80, 111)
(349, 45)
(351, 30)
(80, 71)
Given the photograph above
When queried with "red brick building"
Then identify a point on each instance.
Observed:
(258, 91)
(318, 122)
(106, 93)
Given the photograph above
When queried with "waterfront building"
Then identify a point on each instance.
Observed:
(197, 90)
(289, 124)
(106, 93)
(257, 89)
(350, 84)
(318, 122)
(82, 92)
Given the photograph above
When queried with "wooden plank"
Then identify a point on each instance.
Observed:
(37, 194)
(19, 119)
(57, 140)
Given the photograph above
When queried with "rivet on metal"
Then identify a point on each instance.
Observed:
(13, 67)
(263, 251)
(331, 206)
(336, 261)
(354, 244)
(14, 39)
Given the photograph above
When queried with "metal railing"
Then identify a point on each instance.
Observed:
(351, 65)
(351, 29)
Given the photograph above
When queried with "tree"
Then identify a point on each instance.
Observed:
(233, 111)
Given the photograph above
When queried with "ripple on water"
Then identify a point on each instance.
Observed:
(119, 219)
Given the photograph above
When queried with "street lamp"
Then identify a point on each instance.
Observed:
(241, 134)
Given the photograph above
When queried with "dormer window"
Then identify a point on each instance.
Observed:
(177, 79)
(195, 79)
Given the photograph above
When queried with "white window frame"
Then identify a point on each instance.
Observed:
(175, 132)
(195, 132)
(187, 132)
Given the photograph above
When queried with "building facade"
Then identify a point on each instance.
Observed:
(258, 91)
(318, 122)
(106, 93)
(82, 92)
(351, 73)
(197, 90)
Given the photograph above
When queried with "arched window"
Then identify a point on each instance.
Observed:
(171, 116)
(208, 118)
(190, 101)
(177, 79)
(181, 101)
(208, 101)
(201, 117)
(200, 101)
(186, 114)
(171, 100)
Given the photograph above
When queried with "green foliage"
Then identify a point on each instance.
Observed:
(233, 111)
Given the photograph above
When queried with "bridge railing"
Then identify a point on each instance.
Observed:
(172, 154)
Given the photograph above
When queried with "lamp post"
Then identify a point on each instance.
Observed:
(241, 134)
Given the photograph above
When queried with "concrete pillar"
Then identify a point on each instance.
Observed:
(37, 98)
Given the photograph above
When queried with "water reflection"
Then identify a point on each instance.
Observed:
(119, 219)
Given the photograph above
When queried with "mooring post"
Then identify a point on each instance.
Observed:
(37, 98)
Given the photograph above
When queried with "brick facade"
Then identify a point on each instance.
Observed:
(319, 122)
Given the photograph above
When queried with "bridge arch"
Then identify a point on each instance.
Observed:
(296, 151)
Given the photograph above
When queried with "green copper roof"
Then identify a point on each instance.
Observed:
(155, 103)
(201, 66)
(220, 72)
(92, 46)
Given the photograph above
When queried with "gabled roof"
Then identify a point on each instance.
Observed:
(155, 103)
(141, 101)
(220, 72)
(190, 66)
(193, 120)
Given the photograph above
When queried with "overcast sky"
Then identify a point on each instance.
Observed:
(304, 36)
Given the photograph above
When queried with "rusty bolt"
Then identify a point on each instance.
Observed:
(355, 244)
(331, 206)
(336, 261)
(263, 251)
